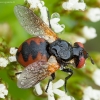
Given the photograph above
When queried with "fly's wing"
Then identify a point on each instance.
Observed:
(36, 72)
(33, 24)
(33, 74)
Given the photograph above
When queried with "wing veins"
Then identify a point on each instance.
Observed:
(33, 24)
(33, 74)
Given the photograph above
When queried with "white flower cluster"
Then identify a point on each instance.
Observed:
(13, 51)
(93, 14)
(35, 3)
(89, 32)
(3, 91)
(91, 94)
(74, 5)
(3, 62)
(39, 4)
(96, 77)
(55, 18)
(44, 15)
(53, 89)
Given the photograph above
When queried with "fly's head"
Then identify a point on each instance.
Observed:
(80, 55)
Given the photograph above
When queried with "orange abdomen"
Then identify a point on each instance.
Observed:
(33, 49)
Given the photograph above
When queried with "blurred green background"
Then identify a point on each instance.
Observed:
(17, 35)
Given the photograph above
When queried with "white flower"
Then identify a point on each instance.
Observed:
(66, 97)
(3, 62)
(74, 5)
(96, 77)
(13, 51)
(38, 89)
(53, 89)
(35, 3)
(56, 27)
(55, 18)
(3, 91)
(40, 4)
(89, 32)
(91, 94)
(44, 15)
(12, 58)
(93, 14)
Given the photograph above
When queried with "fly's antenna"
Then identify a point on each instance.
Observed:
(90, 58)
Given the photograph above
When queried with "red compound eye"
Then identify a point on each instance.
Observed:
(81, 62)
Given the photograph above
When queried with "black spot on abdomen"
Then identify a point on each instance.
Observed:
(32, 49)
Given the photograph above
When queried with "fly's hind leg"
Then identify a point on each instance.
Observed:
(52, 78)
(70, 72)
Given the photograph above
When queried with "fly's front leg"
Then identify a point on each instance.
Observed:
(70, 72)
(52, 78)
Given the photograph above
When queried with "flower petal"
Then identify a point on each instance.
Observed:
(38, 89)
(96, 77)
(58, 84)
(59, 92)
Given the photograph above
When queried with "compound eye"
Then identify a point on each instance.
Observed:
(79, 44)
(81, 62)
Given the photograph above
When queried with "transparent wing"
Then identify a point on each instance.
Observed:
(33, 74)
(33, 24)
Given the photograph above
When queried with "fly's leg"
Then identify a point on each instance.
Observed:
(49, 18)
(52, 78)
(70, 72)
(18, 73)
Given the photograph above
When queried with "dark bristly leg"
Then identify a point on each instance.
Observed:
(18, 73)
(70, 71)
(52, 78)
(49, 18)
